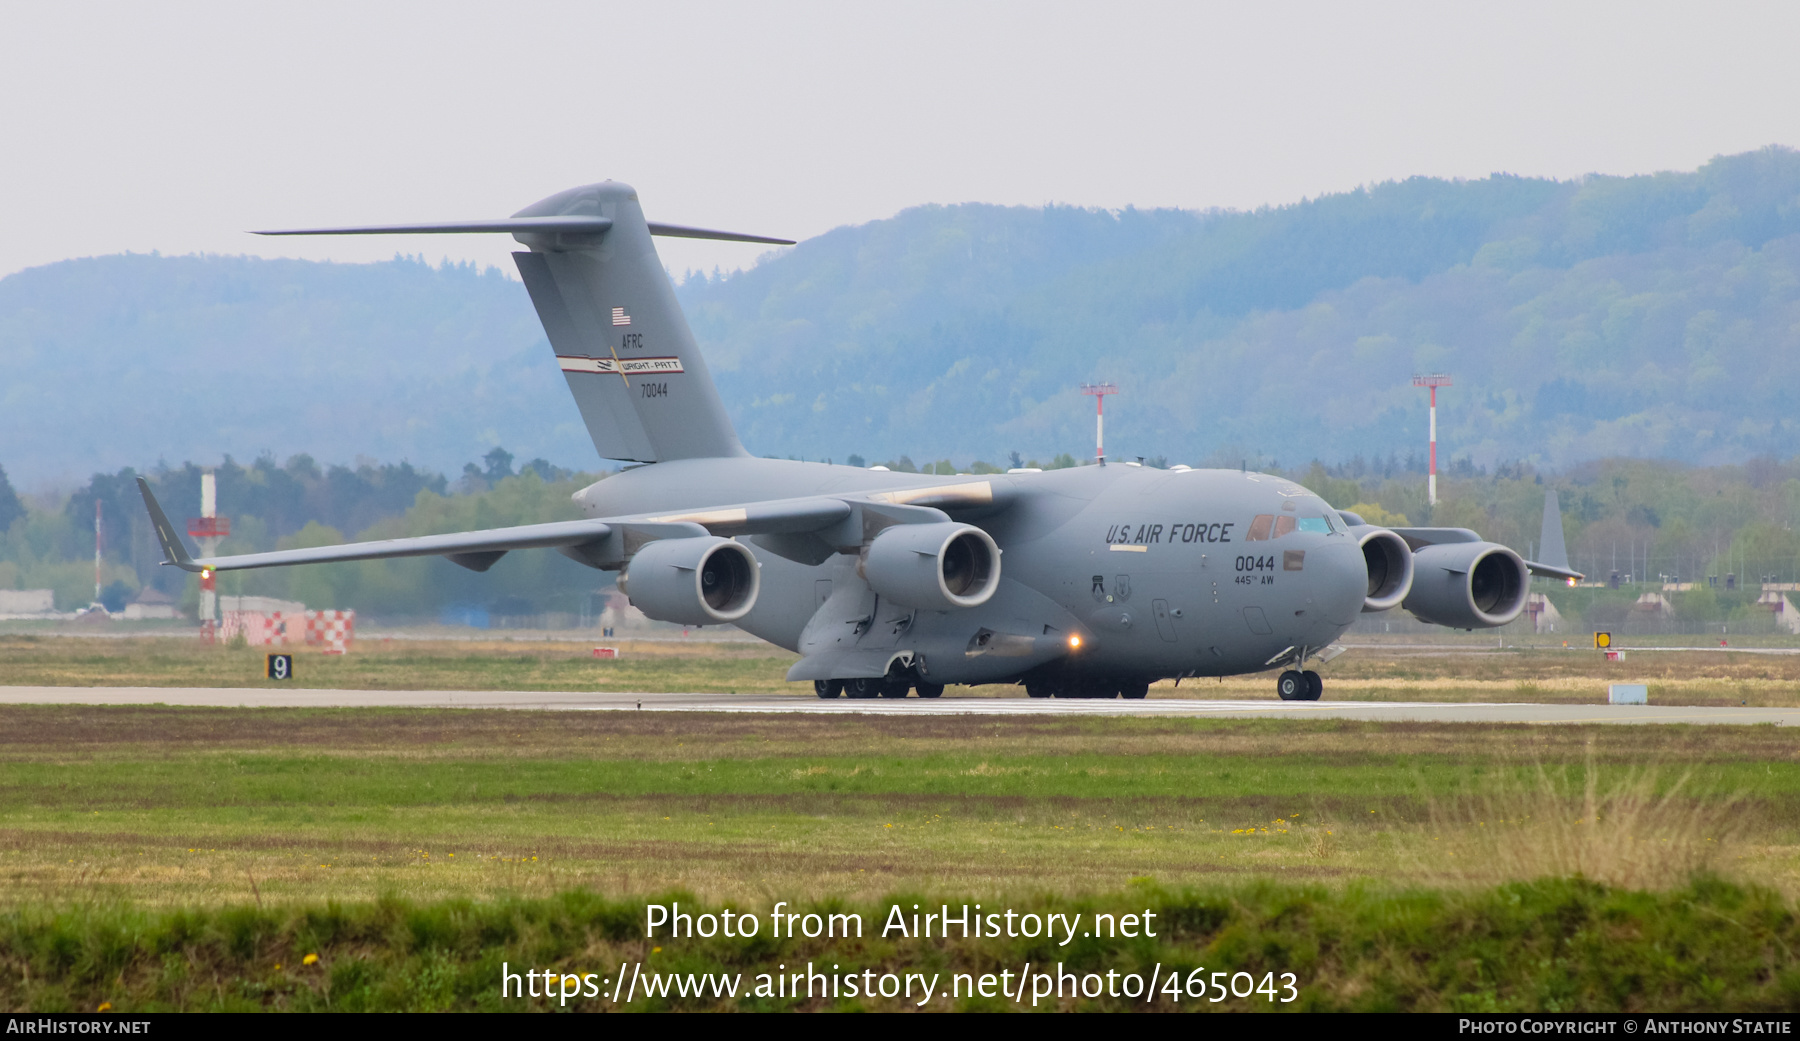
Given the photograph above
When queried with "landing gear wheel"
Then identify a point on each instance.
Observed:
(1291, 686)
(828, 689)
(864, 687)
(1135, 689)
(930, 690)
(1037, 690)
(895, 688)
(1314, 685)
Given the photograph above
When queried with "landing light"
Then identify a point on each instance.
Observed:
(1074, 643)
(1571, 582)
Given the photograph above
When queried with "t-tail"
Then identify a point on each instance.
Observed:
(612, 319)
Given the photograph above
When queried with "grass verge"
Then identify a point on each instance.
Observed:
(1544, 945)
(160, 806)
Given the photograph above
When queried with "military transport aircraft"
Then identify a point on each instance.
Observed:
(1085, 582)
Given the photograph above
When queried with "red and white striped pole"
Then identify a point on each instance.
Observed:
(1434, 381)
(209, 528)
(1099, 391)
(97, 546)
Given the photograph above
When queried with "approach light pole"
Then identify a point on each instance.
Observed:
(209, 528)
(1434, 381)
(98, 545)
(1099, 391)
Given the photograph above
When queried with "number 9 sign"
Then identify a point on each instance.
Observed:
(281, 667)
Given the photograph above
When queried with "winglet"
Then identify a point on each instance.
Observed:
(174, 552)
(1552, 571)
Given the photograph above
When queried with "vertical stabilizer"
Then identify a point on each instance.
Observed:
(1551, 549)
(623, 344)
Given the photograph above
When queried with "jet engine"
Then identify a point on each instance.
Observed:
(938, 567)
(1468, 585)
(702, 580)
(1390, 564)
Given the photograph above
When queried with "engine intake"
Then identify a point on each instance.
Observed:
(1389, 561)
(694, 581)
(1468, 585)
(938, 567)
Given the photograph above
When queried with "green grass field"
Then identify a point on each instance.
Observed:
(172, 857)
(211, 806)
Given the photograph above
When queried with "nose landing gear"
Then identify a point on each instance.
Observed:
(1294, 685)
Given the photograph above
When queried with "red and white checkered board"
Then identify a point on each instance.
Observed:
(332, 630)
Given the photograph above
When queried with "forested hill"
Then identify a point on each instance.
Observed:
(1650, 316)
(108, 362)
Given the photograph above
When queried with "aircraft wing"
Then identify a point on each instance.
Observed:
(593, 542)
(1417, 538)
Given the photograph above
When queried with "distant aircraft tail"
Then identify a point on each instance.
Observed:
(618, 333)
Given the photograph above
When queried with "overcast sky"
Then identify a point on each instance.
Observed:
(176, 127)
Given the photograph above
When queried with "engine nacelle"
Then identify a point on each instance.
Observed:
(1389, 561)
(1468, 585)
(938, 567)
(702, 580)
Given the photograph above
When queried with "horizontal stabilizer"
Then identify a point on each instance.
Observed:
(530, 225)
(539, 225)
(677, 231)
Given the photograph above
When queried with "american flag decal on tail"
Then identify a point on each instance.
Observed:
(620, 317)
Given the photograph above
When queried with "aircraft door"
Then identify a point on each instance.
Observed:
(1165, 625)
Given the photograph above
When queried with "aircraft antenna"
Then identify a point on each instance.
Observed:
(1099, 392)
(1434, 381)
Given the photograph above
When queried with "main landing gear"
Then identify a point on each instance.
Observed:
(876, 687)
(1294, 685)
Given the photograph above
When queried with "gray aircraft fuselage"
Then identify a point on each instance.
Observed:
(1153, 570)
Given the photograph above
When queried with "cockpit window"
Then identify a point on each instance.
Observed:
(1268, 526)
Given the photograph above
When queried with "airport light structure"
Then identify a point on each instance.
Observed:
(209, 528)
(1099, 391)
(98, 544)
(1434, 381)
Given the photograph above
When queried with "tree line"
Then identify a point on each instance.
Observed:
(1651, 521)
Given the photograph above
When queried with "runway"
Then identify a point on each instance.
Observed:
(589, 701)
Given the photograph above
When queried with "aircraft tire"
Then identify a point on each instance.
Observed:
(1135, 689)
(828, 689)
(930, 690)
(1037, 690)
(895, 688)
(1314, 685)
(1291, 686)
(864, 687)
